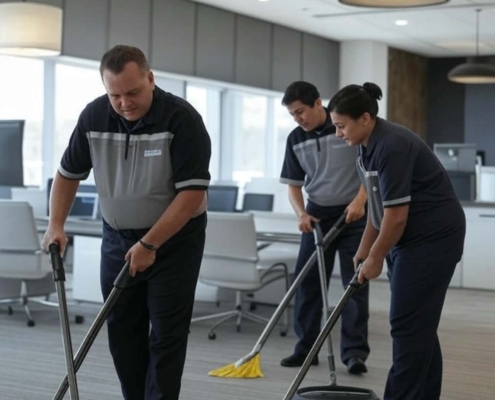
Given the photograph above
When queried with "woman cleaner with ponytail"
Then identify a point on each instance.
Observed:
(414, 218)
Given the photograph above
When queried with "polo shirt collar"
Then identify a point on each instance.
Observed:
(150, 118)
(374, 138)
(328, 125)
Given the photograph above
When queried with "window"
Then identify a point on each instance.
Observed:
(21, 80)
(284, 124)
(75, 87)
(206, 101)
(248, 136)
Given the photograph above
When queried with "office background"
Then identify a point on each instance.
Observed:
(233, 69)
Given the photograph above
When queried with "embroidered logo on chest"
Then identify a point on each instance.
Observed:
(153, 153)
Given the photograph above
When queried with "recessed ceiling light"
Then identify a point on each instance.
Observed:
(263, 1)
(401, 22)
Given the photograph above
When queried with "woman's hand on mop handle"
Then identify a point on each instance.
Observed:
(368, 269)
(355, 282)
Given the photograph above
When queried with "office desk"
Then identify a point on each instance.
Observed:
(87, 235)
(85, 227)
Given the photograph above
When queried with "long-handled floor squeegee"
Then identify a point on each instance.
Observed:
(249, 365)
(73, 365)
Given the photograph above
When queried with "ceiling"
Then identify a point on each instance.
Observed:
(438, 31)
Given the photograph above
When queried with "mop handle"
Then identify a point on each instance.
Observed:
(351, 288)
(324, 295)
(59, 278)
(120, 283)
(329, 237)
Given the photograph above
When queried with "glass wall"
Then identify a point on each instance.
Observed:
(207, 102)
(249, 135)
(248, 128)
(75, 87)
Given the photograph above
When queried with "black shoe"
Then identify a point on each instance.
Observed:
(356, 366)
(296, 360)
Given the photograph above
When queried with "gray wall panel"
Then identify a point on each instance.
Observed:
(215, 44)
(253, 52)
(321, 64)
(189, 38)
(173, 35)
(130, 22)
(85, 31)
(287, 57)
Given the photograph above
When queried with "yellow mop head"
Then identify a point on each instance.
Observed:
(250, 369)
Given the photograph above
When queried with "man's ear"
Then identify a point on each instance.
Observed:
(151, 78)
(318, 103)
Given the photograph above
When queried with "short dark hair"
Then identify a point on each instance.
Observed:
(355, 100)
(304, 92)
(115, 59)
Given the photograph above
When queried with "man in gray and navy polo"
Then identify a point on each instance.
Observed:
(149, 151)
(325, 166)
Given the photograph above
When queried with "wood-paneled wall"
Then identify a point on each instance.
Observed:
(407, 90)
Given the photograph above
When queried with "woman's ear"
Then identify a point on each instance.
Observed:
(365, 118)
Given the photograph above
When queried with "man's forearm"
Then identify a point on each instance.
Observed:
(185, 205)
(62, 195)
(296, 200)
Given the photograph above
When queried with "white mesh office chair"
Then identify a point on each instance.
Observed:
(25, 269)
(231, 261)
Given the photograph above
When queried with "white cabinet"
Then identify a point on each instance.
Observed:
(478, 263)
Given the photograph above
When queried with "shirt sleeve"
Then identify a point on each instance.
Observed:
(292, 172)
(76, 161)
(190, 152)
(395, 177)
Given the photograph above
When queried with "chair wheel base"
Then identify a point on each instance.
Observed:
(31, 323)
(79, 319)
(10, 311)
(212, 335)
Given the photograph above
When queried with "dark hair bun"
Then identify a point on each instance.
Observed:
(373, 90)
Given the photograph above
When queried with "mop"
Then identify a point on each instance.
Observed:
(249, 366)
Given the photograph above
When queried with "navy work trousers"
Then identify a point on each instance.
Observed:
(418, 287)
(308, 306)
(149, 362)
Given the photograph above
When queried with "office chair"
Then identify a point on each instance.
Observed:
(25, 269)
(231, 261)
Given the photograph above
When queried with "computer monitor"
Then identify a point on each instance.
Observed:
(222, 198)
(257, 202)
(11, 166)
(85, 203)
